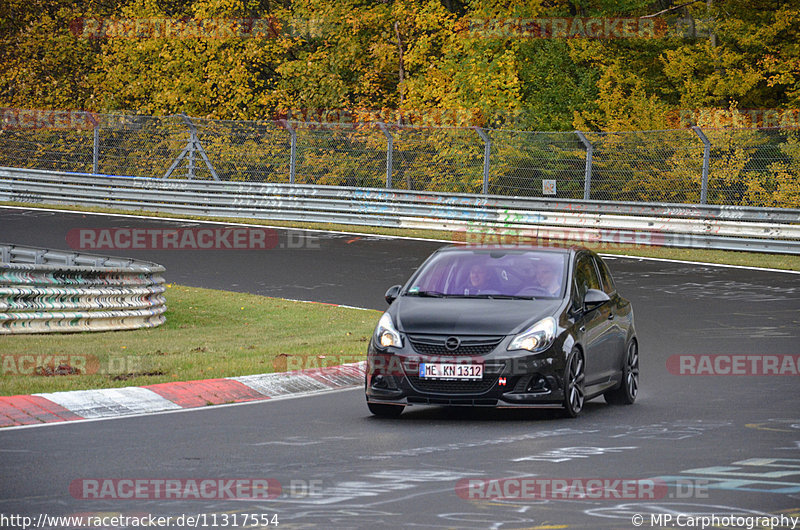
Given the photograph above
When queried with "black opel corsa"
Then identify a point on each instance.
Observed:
(504, 327)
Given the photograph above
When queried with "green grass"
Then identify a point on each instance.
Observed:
(208, 334)
(748, 259)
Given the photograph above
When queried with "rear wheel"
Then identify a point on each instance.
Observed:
(385, 411)
(574, 384)
(629, 388)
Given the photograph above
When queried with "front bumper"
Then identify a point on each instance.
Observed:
(511, 379)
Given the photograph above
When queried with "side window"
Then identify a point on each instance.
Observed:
(585, 278)
(608, 282)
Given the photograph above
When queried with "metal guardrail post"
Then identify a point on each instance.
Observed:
(706, 160)
(587, 172)
(389, 152)
(487, 151)
(292, 149)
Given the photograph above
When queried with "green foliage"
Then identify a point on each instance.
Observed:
(348, 54)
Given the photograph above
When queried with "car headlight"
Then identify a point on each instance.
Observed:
(537, 337)
(385, 334)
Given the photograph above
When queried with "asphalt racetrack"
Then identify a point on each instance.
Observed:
(723, 445)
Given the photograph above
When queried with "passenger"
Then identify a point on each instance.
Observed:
(549, 278)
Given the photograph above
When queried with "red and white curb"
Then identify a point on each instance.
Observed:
(115, 402)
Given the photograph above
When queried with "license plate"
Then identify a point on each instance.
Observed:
(450, 371)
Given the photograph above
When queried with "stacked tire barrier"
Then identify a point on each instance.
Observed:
(44, 290)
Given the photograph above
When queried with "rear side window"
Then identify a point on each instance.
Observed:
(605, 275)
(585, 278)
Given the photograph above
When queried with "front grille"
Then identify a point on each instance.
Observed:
(439, 386)
(434, 345)
(473, 402)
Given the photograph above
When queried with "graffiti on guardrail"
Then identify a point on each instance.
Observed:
(674, 225)
(398, 196)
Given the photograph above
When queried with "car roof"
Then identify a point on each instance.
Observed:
(555, 249)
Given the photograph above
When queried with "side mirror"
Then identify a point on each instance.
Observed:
(594, 298)
(392, 294)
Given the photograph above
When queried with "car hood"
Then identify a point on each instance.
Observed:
(470, 316)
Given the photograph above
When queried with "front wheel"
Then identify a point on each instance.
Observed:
(386, 411)
(574, 384)
(629, 388)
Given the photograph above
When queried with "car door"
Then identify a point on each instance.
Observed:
(619, 317)
(594, 324)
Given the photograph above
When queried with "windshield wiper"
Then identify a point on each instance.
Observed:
(494, 296)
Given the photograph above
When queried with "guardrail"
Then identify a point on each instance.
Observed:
(659, 224)
(43, 290)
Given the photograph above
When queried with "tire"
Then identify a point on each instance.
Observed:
(574, 378)
(386, 411)
(629, 387)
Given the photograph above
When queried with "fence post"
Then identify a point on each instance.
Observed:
(95, 142)
(192, 143)
(192, 146)
(389, 150)
(487, 151)
(706, 160)
(587, 172)
(292, 150)
(96, 150)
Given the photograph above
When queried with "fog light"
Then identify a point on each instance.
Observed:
(537, 384)
(378, 381)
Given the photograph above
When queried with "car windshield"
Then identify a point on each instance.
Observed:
(491, 274)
